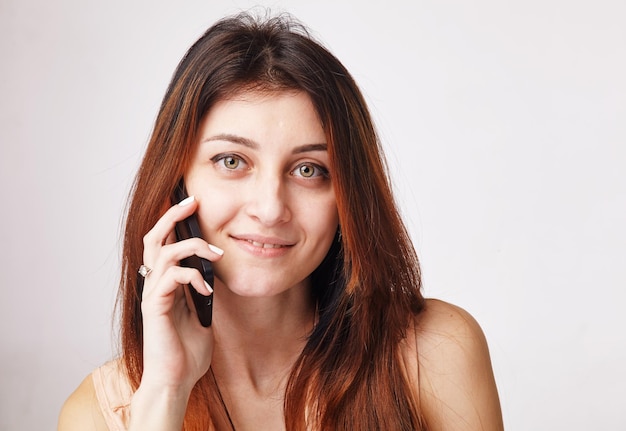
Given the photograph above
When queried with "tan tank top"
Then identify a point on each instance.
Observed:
(114, 394)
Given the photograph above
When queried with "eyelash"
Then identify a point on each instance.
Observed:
(320, 171)
(221, 159)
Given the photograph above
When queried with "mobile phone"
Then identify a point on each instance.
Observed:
(189, 228)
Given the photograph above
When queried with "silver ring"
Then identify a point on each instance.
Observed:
(144, 271)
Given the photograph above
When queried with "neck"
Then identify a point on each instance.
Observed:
(257, 340)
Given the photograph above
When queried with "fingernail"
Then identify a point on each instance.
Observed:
(216, 249)
(208, 286)
(187, 201)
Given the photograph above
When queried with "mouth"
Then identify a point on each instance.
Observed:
(263, 242)
(265, 245)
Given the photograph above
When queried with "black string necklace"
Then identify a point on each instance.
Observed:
(219, 394)
(217, 386)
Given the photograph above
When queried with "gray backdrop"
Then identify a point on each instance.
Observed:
(505, 132)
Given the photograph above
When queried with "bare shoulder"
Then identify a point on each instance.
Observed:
(81, 410)
(456, 385)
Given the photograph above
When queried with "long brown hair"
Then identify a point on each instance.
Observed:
(350, 373)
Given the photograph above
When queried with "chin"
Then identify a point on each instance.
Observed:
(256, 286)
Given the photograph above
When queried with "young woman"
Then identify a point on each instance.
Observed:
(318, 320)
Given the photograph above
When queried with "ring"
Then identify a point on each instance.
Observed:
(144, 271)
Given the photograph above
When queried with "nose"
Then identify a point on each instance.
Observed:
(267, 201)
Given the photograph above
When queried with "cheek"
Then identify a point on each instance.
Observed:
(217, 201)
(215, 208)
(323, 219)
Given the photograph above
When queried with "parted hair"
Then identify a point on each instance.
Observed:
(350, 374)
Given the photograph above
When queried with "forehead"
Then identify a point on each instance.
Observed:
(263, 114)
(259, 98)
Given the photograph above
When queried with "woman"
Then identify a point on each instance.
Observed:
(318, 320)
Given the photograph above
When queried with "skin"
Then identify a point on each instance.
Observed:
(259, 171)
(266, 160)
(454, 377)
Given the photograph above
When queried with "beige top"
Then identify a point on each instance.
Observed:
(114, 393)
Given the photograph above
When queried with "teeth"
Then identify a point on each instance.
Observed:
(262, 245)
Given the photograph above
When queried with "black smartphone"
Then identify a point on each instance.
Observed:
(185, 229)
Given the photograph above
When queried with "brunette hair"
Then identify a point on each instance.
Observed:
(350, 374)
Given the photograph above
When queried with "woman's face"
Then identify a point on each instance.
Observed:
(261, 175)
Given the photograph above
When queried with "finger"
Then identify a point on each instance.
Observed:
(163, 289)
(161, 232)
(184, 305)
(171, 238)
(168, 296)
(173, 253)
(191, 306)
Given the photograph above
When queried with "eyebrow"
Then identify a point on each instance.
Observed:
(240, 140)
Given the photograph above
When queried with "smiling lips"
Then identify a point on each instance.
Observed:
(265, 243)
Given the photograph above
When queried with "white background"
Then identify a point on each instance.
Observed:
(504, 124)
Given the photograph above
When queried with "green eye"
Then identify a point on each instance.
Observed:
(231, 162)
(310, 170)
(307, 171)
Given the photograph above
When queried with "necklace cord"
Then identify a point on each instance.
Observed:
(219, 393)
(217, 386)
